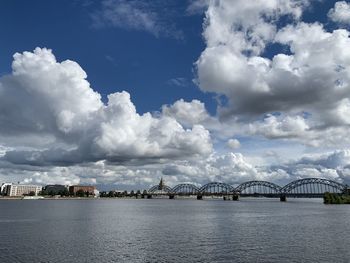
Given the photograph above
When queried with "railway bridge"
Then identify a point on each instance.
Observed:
(307, 188)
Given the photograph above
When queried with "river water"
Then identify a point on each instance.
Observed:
(121, 230)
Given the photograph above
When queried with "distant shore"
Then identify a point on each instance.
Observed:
(336, 199)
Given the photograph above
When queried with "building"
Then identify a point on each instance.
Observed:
(22, 189)
(81, 188)
(4, 188)
(55, 189)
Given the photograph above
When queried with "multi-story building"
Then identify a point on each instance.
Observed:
(81, 188)
(4, 188)
(22, 189)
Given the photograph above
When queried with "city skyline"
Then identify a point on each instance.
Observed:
(127, 92)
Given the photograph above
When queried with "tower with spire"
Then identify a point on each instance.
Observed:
(161, 184)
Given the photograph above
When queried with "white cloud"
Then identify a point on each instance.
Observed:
(280, 126)
(137, 15)
(232, 168)
(187, 113)
(233, 143)
(340, 13)
(312, 79)
(179, 81)
(43, 97)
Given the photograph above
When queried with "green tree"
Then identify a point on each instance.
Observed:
(80, 193)
(63, 192)
(43, 192)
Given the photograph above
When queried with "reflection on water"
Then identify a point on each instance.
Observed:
(118, 230)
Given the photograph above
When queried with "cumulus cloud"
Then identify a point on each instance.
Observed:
(340, 13)
(233, 143)
(308, 85)
(187, 113)
(232, 168)
(137, 15)
(45, 97)
(280, 126)
(331, 165)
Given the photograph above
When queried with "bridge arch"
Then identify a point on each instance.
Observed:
(260, 187)
(185, 189)
(313, 186)
(216, 187)
(156, 189)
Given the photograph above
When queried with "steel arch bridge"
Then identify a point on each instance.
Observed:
(216, 188)
(185, 189)
(258, 187)
(309, 187)
(312, 186)
(155, 189)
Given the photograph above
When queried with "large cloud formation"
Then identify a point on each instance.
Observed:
(43, 97)
(308, 84)
(54, 128)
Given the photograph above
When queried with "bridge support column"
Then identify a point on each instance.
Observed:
(235, 198)
(283, 198)
(171, 196)
(199, 197)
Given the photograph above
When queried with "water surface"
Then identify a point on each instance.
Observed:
(121, 230)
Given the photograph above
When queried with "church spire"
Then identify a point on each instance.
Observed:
(161, 184)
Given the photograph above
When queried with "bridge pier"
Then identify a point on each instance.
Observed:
(199, 197)
(235, 198)
(149, 196)
(171, 196)
(283, 198)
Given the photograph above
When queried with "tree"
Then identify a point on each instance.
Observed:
(103, 194)
(63, 192)
(43, 192)
(31, 193)
(80, 193)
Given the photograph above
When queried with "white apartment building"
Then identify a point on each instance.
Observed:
(22, 189)
(4, 188)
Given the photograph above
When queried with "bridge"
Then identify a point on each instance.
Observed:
(308, 187)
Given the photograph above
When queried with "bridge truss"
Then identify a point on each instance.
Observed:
(309, 187)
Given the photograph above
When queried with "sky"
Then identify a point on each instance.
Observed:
(119, 93)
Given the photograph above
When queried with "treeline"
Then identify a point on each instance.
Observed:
(332, 198)
(65, 193)
(123, 194)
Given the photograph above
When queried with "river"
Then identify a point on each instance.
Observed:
(122, 230)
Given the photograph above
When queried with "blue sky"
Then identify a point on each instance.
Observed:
(239, 88)
(115, 59)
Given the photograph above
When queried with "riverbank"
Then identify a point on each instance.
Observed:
(330, 198)
(47, 198)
